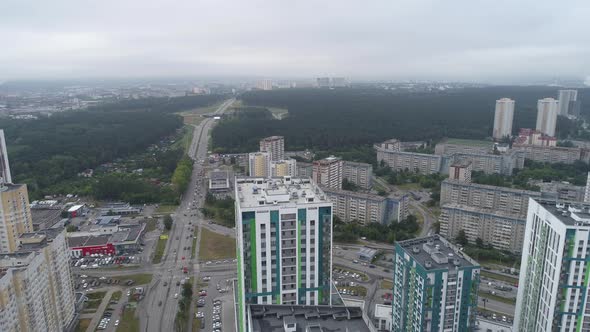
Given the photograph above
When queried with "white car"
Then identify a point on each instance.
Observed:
(117, 322)
(176, 295)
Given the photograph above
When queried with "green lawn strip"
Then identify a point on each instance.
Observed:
(160, 247)
(128, 321)
(151, 225)
(216, 246)
(166, 209)
(501, 277)
(387, 284)
(497, 298)
(194, 247)
(140, 278)
(83, 324)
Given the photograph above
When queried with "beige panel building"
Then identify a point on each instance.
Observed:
(361, 207)
(275, 146)
(15, 215)
(259, 164)
(358, 173)
(304, 170)
(287, 167)
(551, 154)
(327, 173)
(502, 231)
(503, 117)
(36, 287)
(547, 109)
(460, 172)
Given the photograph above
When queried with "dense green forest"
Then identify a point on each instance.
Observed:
(329, 120)
(48, 153)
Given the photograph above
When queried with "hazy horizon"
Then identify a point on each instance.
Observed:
(500, 42)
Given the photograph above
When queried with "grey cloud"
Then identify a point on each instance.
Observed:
(459, 39)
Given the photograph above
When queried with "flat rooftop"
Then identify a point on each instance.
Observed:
(434, 252)
(269, 318)
(469, 142)
(258, 192)
(45, 218)
(570, 213)
(356, 194)
(219, 175)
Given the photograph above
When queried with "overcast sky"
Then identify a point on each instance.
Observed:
(396, 39)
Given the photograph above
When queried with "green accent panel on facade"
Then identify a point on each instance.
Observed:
(301, 217)
(274, 219)
(240, 292)
(253, 255)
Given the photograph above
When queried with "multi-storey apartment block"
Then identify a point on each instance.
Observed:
(275, 146)
(494, 214)
(435, 287)
(390, 152)
(553, 283)
(358, 173)
(280, 168)
(15, 215)
(36, 287)
(366, 208)
(259, 164)
(284, 243)
(304, 170)
(327, 172)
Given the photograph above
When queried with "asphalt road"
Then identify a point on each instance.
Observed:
(158, 310)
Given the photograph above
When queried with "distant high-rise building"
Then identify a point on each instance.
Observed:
(275, 146)
(503, 117)
(460, 172)
(280, 168)
(338, 82)
(554, 268)
(259, 164)
(323, 82)
(547, 109)
(36, 286)
(435, 287)
(265, 84)
(567, 102)
(5, 176)
(587, 191)
(328, 172)
(284, 244)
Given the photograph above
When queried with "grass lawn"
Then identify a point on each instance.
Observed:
(94, 300)
(386, 284)
(166, 209)
(151, 225)
(278, 113)
(128, 321)
(96, 295)
(140, 278)
(500, 277)
(116, 296)
(160, 247)
(83, 324)
(196, 324)
(216, 246)
(194, 247)
(497, 298)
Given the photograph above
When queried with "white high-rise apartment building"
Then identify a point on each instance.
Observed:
(553, 292)
(265, 84)
(259, 164)
(547, 109)
(36, 287)
(5, 176)
(587, 191)
(567, 99)
(503, 117)
(275, 146)
(284, 243)
(280, 168)
(328, 172)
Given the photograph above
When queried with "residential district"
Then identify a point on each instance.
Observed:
(71, 264)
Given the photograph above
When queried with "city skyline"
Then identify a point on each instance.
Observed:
(67, 40)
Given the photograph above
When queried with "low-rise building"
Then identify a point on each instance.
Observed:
(36, 287)
(118, 208)
(219, 181)
(106, 239)
(359, 174)
(295, 318)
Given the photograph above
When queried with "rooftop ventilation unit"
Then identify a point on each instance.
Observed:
(428, 264)
(415, 250)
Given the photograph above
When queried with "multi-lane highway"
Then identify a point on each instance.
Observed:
(158, 310)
